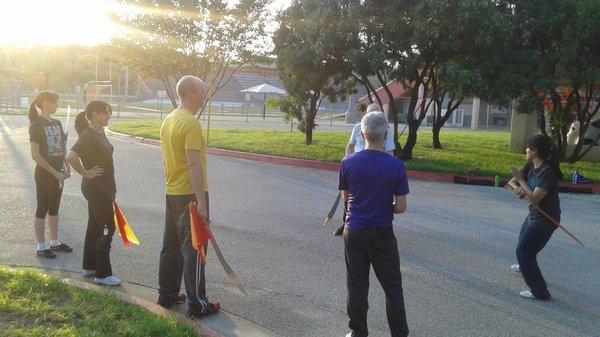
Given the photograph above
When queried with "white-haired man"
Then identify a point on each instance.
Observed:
(184, 159)
(357, 143)
(369, 181)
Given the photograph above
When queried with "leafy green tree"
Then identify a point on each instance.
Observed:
(461, 57)
(211, 39)
(51, 67)
(310, 46)
(555, 60)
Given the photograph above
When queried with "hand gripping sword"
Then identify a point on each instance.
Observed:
(512, 188)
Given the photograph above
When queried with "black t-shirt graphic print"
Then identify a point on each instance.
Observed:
(50, 137)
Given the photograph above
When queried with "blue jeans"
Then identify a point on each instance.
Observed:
(535, 234)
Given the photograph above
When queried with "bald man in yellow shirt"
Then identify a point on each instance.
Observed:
(184, 159)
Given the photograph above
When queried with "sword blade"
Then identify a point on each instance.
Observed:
(68, 119)
(235, 280)
(333, 209)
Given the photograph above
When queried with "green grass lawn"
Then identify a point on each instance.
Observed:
(485, 153)
(34, 304)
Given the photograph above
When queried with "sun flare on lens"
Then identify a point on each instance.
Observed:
(65, 22)
(55, 22)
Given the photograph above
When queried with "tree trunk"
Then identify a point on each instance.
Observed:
(310, 119)
(437, 127)
(411, 140)
(309, 133)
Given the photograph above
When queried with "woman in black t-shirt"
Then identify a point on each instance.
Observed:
(538, 181)
(48, 142)
(91, 157)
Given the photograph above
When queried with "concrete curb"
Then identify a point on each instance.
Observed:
(315, 164)
(145, 304)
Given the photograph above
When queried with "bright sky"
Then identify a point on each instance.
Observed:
(57, 22)
(26, 22)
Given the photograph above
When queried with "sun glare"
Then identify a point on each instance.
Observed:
(56, 22)
(63, 22)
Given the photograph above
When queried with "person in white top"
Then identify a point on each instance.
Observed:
(357, 143)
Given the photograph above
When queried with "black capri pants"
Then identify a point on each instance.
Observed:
(48, 193)
(100, 229)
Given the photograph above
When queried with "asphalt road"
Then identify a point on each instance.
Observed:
(456, 244)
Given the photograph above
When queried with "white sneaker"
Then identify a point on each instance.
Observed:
(527, 294)
(88, 272)
(349, 334)
(515, 268)
(108, 281)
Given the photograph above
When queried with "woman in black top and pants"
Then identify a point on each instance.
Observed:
(538, 181)
(94, 151)
(48, 151)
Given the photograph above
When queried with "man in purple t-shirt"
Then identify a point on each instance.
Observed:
(375, 186)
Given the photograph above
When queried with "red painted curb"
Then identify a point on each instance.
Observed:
(321, 165)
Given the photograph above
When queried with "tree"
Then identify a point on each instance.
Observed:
(385, 48)
(50, 67)
(210, 39)
(309, 45)
(461, 57)
(557, 64)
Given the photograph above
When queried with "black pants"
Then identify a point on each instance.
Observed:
(377, 247)
(532, 239)
(48, 193)
(178, 257)
(100, 229)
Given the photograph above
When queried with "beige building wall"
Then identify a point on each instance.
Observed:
(523, 126)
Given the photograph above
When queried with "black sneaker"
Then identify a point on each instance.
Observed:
(339, 231)
(46, 253)
(197, 311)
(62, 248)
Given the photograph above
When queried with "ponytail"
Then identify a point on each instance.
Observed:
(39, 99)
(81, 122)
(33, 113)
(548, 152)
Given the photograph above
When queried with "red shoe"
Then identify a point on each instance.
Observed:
(169, 302)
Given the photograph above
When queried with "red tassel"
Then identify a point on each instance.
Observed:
(121, 225)
(200, 233)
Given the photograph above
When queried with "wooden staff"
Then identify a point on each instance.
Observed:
(512, 188)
